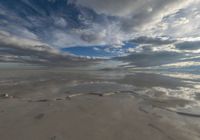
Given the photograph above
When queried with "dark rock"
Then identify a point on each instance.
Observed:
(39, 116)
(5, 95)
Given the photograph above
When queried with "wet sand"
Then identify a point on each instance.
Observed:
(84, 105)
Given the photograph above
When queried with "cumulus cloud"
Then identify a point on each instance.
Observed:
(192, 45)
(95, 35)
(150, 58)
(182, 64)
(153, 41)
(152, 26)
(16, 49)
(6, 39)
(134, 13)
(128, 7)
(60, 22)
(152, 22)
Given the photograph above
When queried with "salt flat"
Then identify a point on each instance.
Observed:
(49, 104)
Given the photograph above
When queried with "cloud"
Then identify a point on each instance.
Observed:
(182, 64)
(134, 13)
(192, 45)
(16, 49)
(128, 7)
(153, 25)
(96, 35)
(149, 21)
(149, 59)
(153, 41)
(6, 39)
(60, 22)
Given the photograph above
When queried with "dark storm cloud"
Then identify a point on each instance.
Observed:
(133, 13)
(192, 45)
(47, 26)
(10, 54)
(16, 49)
(15, 54)
(152, 41)
(149, 59)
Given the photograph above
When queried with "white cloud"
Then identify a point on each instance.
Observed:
(168, 48)
(153, 18)
(60, 22)
(95, 35)
(182, 64)
(177, 19)
(6, 39)
(134, 13)
(131, 7)
(181, 24)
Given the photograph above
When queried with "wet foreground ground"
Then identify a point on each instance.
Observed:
(96, 104)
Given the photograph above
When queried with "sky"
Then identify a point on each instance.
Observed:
(58, 30)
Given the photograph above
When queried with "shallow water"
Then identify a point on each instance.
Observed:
(161, 93)
(107, 76)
